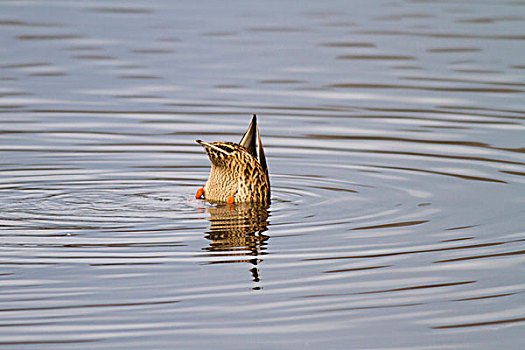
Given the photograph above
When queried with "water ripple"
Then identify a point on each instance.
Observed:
(395, 150)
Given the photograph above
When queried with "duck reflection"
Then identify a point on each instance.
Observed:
(238, 231)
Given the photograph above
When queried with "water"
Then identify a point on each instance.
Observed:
(394, 133)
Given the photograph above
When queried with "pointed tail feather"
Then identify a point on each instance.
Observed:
(262, 156)
(249, 138)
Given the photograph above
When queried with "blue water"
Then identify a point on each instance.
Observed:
(394, 137)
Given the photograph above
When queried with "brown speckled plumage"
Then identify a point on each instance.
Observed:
(236, 171)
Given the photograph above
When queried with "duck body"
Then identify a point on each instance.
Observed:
(238, 173)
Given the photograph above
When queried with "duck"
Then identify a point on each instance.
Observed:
(239, 172)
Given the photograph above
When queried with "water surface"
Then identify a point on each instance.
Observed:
(394, 133)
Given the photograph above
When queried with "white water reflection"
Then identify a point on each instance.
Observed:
(358, 96)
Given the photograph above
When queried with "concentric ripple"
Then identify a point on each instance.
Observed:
(352, 220)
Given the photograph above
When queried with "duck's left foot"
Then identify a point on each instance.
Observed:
(199, 193)
(230, 200)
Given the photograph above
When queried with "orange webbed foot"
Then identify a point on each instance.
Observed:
(199, 193)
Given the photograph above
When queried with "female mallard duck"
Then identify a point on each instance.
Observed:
(237, 174)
